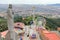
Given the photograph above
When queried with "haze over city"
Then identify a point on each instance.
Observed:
(29, 1)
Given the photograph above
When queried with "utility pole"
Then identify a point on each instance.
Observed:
(10, 22)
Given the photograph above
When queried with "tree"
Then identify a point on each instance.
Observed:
(3, 24)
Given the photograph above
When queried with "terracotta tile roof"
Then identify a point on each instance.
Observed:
(58, 28)
(52, 36)
(18, 24)
(3, 34)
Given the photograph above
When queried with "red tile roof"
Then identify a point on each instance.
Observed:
(3, 34)
(52, 36)
(18, 24)
(58, 28)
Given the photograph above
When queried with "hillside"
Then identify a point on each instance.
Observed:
(52, 23)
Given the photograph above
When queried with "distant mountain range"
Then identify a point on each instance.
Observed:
(54, 4)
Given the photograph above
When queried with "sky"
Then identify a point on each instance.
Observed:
(29, 1)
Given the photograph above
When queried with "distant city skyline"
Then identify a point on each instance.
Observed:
(29, 1)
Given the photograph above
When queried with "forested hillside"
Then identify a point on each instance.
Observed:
(51, 23)
(3, 24)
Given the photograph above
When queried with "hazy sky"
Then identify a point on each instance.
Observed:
(29, 1)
